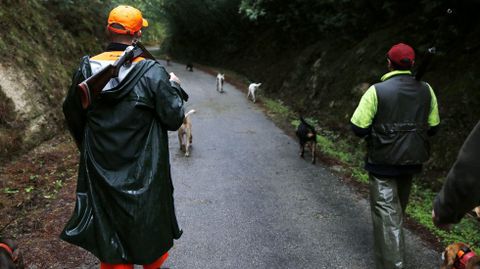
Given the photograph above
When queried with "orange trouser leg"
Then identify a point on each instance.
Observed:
(156, 264)
(115, 266)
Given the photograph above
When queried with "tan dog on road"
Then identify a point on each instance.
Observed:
(185, 133)
(459, 256)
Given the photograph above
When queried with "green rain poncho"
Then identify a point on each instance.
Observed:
(124, 209)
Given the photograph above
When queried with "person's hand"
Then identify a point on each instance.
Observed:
(173, 77)
(442, 226)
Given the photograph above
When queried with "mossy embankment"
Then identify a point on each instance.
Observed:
(41, 43)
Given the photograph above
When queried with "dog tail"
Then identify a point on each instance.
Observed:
(189, 112)
(304, 121)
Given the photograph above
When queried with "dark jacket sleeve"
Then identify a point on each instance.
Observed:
(433, 130)
(461, 191)
(361, 132)
(75, 115)
(168, 103)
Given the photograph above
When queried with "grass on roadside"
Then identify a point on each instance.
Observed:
(351, 154)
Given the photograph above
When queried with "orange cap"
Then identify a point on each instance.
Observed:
(129, 17)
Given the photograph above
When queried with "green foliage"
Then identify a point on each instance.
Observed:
(303, 16)
(10, 191)
(29, 189)
(71, 28)
(420, 209)
(45, 39)
(310, 18)
(84, 20)
(360, 175)
(277, 107)
(196, 29)
(252, 9)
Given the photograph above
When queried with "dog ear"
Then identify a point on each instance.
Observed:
(447, 261)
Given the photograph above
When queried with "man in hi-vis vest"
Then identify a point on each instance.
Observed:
(396, 117)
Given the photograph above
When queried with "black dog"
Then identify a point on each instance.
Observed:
(306, 135)
(10, 257)
(189, 67)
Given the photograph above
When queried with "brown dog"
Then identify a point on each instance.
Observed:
(10, 256)
(459, 256)
(185, 133)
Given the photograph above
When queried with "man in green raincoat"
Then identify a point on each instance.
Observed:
(396, 116)
(124, 211)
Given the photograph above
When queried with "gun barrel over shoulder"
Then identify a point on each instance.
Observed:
(91, 87)
(422, 68)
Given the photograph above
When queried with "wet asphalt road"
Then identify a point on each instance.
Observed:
(246, 200)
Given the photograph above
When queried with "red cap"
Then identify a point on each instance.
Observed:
(401, 55)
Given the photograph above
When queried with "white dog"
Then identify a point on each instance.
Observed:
(220, 80)
(185, 133)
(251, 90)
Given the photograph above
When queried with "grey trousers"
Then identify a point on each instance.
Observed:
(388, 201)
